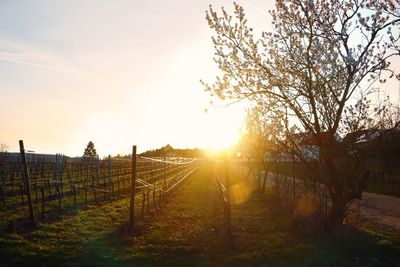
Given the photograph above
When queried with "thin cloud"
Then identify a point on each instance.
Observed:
(22, 53)
(43, 66)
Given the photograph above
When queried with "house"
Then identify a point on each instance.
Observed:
(168, 151)
(307, 144)
(362, 136)
(383, 144)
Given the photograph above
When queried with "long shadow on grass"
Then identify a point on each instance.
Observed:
(266, 235)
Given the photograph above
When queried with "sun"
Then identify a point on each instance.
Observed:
(223, 140)
(221, 129)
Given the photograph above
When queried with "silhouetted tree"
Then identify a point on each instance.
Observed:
(90, 150)
(314, 73)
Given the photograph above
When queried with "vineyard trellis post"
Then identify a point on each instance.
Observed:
(227, 210)
(97, 172)
(3, 176)
(133, 183)
(164, 175)
(293, 176)
(26, 181)
(110, 174)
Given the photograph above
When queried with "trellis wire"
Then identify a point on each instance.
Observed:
(60, 183)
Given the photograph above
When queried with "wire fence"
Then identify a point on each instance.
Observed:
(57, 184)
(307, 195)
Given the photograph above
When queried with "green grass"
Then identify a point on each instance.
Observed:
(188, 231)
(66, 239)
(270, 236)
(267, 234)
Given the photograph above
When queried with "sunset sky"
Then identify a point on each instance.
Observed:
(115, 72)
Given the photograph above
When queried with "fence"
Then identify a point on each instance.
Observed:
(57, 184)
(290, 183)
(223, 192)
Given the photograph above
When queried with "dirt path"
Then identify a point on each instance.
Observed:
(381, 209)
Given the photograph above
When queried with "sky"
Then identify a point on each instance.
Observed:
(118, 73)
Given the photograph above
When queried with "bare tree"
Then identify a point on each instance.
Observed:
(315, 73)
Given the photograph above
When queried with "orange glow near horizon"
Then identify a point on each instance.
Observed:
(64, 83)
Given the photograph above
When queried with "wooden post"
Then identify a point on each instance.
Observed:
(94, 189)
(294, 178)
(154, 198)
(315, 177)
(106, 191)
(56, 174)
(159, 198)
(36, 193)
(143, 203)
(228, 199)
(265, 179)
(148, 200)
(21, 191)
(118, 185)
(109, 173)
(3, 175)
(277, 182)
(74, 192)
(3, 197)
(12, 182)
(326, 200)
(59, 200)
(26, 180)
(85, 193)
(97, 172)
(61, 171)
(164, 174)
(49, 187)
(133, 184)
(229, 237)
(69, 174)
(43, 200)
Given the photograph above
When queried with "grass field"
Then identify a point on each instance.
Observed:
(187, 231)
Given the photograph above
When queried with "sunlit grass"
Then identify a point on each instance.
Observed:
(187, 232)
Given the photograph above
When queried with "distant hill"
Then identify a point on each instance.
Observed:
(169, 151)
(29, 156)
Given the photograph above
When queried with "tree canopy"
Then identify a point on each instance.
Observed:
(315, 73)
(90, 151)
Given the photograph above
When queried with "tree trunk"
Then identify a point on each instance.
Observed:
(265, 180)
(337, 213)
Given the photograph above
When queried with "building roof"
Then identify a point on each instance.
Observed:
(368, 135)
(310, 139)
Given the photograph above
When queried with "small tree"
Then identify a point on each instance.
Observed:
(90, 151)
(315, 73)
(254, 136)
(256, 140)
